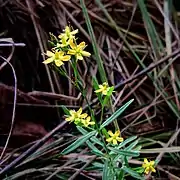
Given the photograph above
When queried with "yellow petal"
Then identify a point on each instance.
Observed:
(109, 139)
(110, 133)
(72, 45)
(92, 123)
(61, 53)
(49, 60)
(56, 55)
(88, 118)
(146, 171)
(72, 112)
(117, 133)
(120, 139)
(49, 54)
(101, 86)
(152, 169)
(85, 53)
(152, 163)
(84, 122)
(104, 92)
(79, 56)
(114, 141)
(105, 84)
(83, 115)
(74, 32)
(66, 58)
(79, 111)
(69, 118)
(98, 91)
(67, 29)
(146, 161)
(58, 63)
(61, 35)
(72, 52)
(82, 45)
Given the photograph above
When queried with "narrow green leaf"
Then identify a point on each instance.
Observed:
(121, 175)
(97, 141)
(105, 133)
(90, 145)
(132, 173)
(139, 170)
(93, 139)
(124, 152)
(107, 97)
(126, 142)
(98, 165)
(105, 171)
(65, 109)
(116, 114)
(78, 143)
(132, 145)
(97, 152)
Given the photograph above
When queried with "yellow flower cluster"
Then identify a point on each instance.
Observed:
(114, 137)
(79, 119)
(103, 89)
(65, 48)
(148, 166)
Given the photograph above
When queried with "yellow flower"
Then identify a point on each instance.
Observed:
(78, 50)
(76, 115)
(148, 166)
(57, 58)
(114, 137)
(86, 122)
(103, 88)
(68, 34)
(64, 41)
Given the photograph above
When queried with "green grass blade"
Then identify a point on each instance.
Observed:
(154, 38)
(121, 35)
(101, 70)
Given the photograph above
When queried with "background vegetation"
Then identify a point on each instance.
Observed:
(139, 44)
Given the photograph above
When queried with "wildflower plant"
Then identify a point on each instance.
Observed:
(104, 140)
(148, 166)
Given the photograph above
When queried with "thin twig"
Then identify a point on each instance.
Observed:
(10, 55)
(12, 44)
(14, 105)
(54, 95)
